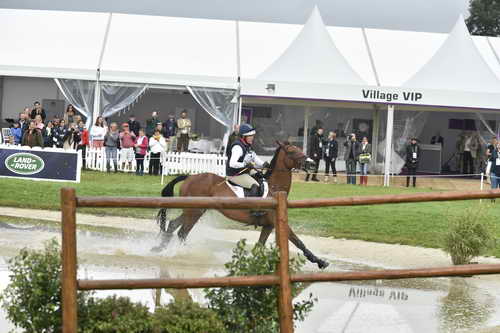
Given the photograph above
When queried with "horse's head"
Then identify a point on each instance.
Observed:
(295, 158)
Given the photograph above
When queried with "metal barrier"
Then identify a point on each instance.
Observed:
(279, 205)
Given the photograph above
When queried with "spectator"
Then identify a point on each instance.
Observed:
(331, 153)
(151, 124)
(127, 144)
(316, 152)
(141, 147)
(69, 115)
(48, 132)
(314, 129)
(23, 122)
(97, 133)
(84, 142)
(365, 157)
(157, 146)
(184, 129)
(134, 125)
(489, 151)
(32, 137)
(59, 134)
(76, 119)
(72, 137)
(170, 131)
(235, 135)
(112, 143)
(38, 111)
(17, 133)
(56, 121)
(495, 167)
(39, 123)
(412, 159)
(351, 156)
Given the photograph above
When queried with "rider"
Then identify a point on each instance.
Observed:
(242, 162)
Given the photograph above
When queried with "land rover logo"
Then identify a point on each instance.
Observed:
(24, 163)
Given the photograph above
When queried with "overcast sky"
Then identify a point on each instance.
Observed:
(418, 15)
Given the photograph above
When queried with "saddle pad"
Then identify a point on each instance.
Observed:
(238, 190)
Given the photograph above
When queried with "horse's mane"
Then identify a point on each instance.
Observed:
(274, 160)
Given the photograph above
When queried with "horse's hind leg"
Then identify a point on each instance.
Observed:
(190, 218)
(166, 235)
(307, 253)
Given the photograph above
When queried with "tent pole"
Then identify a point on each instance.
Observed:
(306, 129)
(238, 72)
(388, 144)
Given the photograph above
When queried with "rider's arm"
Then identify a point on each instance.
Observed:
(236, 153)
(258, 162)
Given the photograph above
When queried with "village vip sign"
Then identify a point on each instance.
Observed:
(39, 164)
(370, 94)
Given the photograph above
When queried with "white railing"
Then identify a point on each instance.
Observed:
(172, 163)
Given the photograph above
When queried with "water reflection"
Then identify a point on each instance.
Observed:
(465, 307)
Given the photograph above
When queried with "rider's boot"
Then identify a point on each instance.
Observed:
(255, 192)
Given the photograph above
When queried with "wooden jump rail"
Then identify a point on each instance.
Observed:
(279, 203)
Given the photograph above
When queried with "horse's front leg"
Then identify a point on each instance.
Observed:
(264, 233)
(307, 253)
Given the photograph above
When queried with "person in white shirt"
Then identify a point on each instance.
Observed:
(97, 133)
(157, 146)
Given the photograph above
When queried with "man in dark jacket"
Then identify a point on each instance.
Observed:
(38, 111)
(413, 155)
(232, 138)
(331, 153)
(134, 125)
(316, 152)
(170, 131)
(151, 124)
(351, 158)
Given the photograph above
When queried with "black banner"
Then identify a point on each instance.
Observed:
(39, 164)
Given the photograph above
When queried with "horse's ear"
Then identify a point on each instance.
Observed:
(279, 143)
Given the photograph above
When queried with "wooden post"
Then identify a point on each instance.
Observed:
(285, 292)
(69, 282)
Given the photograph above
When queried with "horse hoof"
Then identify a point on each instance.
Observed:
(323, 264)
(157, 249)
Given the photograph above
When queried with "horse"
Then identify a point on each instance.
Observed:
(279, 177)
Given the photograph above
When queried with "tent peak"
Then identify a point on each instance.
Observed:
(312, 57)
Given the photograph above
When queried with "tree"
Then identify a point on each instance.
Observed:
(484, 17)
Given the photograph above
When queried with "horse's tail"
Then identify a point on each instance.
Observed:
(168, 191)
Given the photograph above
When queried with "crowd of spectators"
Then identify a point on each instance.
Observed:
(33, 129)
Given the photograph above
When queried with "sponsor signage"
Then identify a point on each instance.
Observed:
(39, 164)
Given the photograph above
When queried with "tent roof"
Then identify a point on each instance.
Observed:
(312, 57)
(48, 43)
(457, 65)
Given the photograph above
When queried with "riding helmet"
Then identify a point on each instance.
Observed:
(247, 130)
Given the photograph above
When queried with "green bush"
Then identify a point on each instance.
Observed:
(254, 309)
(32, 299)
(186, 317)
(469, 235)
(116, 315)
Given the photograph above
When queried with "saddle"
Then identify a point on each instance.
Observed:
(242, 192)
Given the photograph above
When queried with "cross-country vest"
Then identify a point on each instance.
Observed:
(237, 171)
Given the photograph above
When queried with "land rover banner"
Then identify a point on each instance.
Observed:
(39, 164)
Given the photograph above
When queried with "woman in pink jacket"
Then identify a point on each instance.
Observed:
(141, 146)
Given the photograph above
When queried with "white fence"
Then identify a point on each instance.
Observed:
(172, 163)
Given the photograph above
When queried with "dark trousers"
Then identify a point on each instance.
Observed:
(154, 164)
(83, 148)
(350, 167)
(139, 160)
(412, 171)
(330, 162)
(468, 163)
(183, 142)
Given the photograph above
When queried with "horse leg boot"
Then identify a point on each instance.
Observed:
(322, 264)
(255, 192)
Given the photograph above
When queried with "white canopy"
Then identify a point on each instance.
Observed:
(457, 65)
(312, 57)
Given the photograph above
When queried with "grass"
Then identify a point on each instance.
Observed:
(421, 224)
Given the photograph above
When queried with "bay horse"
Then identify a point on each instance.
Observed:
(279, 177)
